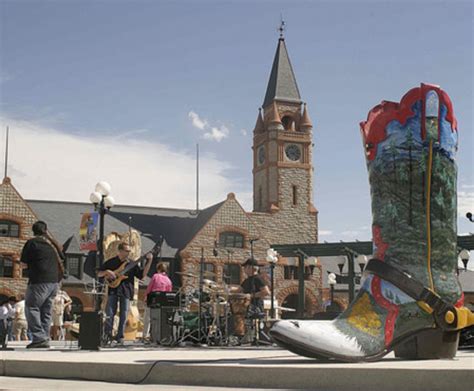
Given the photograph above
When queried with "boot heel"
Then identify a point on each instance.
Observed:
(429, 344)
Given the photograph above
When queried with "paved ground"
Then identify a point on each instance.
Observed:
(268, 367)
(25, 383)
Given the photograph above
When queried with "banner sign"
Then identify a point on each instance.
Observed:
(88, 231)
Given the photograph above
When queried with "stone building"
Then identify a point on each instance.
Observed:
(224, 235)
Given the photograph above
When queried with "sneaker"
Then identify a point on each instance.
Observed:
(38, 345)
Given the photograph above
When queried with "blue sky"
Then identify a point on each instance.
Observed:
(106, 87)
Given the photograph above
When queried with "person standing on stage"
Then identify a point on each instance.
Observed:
(43, 257)
(160, 282)
(121, 295)
(254, 285)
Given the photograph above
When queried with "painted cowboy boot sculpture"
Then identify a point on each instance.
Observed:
(410, 300)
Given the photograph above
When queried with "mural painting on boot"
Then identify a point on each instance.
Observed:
(410, 150)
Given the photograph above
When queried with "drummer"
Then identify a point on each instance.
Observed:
(254, 285)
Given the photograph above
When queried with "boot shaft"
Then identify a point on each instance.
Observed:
(410, 150)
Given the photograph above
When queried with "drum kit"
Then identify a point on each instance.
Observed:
(213, 314)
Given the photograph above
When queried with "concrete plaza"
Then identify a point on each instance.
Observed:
(267, 367)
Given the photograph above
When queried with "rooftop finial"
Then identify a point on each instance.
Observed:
(282, 27)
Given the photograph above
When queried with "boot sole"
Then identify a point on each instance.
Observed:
(424, 344)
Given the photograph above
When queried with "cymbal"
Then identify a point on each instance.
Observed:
(186, 274)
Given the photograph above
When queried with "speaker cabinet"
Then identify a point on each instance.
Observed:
(160, 324)
(90, 330)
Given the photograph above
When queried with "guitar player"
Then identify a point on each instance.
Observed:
(123, 293)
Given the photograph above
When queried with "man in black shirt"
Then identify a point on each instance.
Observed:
(43, 258)
(254, 284)
(122, 294)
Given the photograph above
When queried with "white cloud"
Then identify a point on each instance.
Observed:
(197, 121)
(465, 202)
(323, 232)
(46, 163)
(214, 133)
(244, 132)
(217, 134)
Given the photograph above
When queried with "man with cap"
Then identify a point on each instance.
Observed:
(254, 284)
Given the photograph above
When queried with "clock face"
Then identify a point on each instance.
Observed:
(261, 155)
(293, 152)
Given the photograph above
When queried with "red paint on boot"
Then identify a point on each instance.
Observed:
(380, 245)
(374, 128)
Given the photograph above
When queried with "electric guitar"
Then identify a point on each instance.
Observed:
(125, 267)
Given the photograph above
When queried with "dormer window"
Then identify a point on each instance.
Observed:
(231, 239)
(288, 123)
(9, 229)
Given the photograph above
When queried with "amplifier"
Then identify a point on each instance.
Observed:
(162, 299)
(90, 329)
(161, 329)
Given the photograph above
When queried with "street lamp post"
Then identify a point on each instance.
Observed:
(272, 259)
(352, 277)
(332, 282)
(103, 202)
(464, 256)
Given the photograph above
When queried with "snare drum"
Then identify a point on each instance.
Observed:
(239, 303)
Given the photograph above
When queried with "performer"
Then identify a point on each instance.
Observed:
(43, 257)
(254, 285)
(160, 282)
(122, 294)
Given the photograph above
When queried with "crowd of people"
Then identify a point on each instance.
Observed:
(14, 324)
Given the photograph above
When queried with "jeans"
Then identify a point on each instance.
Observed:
(146, 322)
(111, 310)
(3, 332)
(38, 306)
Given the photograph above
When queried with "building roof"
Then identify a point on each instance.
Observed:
(175, 226)
(282, 83)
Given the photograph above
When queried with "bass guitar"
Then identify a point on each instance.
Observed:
(125, 267)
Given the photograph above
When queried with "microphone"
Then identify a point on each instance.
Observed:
(469, 217)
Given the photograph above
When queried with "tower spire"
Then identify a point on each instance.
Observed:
(282, 83)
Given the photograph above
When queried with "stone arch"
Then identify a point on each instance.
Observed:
(311, 301)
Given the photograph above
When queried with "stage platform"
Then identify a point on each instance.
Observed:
(259, 367)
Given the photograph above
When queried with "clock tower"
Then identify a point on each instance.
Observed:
(282, 147)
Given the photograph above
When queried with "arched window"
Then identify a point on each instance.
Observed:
(9, 229)
(288, 123)
(231, 239)
(6, 266)
(295, 195)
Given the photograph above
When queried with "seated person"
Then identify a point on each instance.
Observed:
(254, 285)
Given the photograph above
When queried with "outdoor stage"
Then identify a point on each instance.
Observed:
(265, 367)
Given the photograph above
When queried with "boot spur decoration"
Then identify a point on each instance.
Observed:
(410, 300)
